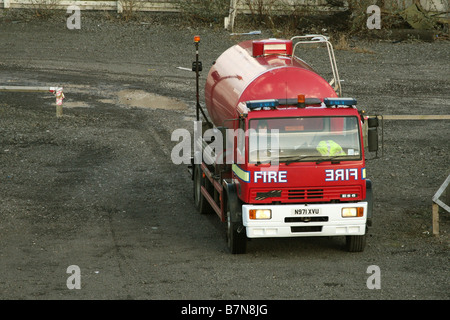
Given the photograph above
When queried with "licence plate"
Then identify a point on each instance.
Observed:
(306, 211)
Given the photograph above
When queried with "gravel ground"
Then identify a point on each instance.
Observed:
(96, 188)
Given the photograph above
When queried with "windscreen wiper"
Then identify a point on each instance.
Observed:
(292, 159)
(265, 162)
(323, 159)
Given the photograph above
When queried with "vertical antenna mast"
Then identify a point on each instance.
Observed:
(197, 67)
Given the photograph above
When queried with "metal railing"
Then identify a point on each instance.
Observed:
(119, 6)
(439, 203)
(318, 38)
(57, 91)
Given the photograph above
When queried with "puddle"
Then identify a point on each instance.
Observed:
(143, 99)
(107, 101)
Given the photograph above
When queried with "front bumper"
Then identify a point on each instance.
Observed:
(305, 220)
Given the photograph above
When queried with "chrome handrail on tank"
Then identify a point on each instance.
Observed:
(318, 38)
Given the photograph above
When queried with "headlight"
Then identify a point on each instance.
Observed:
(352, 212)
(260, 214)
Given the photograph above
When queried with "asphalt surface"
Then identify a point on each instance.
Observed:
(97, 188)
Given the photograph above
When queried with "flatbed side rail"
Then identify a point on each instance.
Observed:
(217, 186)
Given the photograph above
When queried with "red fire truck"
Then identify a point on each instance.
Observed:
(292, 162)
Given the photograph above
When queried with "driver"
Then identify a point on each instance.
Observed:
(330, 148)
(262, 125)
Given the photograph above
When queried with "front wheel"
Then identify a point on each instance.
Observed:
(356, 243)
(236, 235)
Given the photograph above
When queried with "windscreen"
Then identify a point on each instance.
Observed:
(304, 139)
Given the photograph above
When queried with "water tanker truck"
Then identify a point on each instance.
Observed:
(281, 153)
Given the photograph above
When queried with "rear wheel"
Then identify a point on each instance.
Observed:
(236, 235)
(201, 203)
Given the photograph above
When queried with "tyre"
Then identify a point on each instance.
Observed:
(201, 203)
(236, 235)
(356, 243)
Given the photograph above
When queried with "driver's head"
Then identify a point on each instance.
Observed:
(262, 125)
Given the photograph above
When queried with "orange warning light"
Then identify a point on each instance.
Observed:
(197, 39)
(301, 98)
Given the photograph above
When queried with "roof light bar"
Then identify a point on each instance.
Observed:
(256, 104)
(339, 101)
(301, 101)
(293, 101)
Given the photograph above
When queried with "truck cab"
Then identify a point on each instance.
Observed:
(300, 171)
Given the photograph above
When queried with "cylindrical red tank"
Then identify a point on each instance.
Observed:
(256, 70)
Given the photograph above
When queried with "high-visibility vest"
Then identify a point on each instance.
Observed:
(330, 148)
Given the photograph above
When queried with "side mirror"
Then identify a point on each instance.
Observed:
(372, 134)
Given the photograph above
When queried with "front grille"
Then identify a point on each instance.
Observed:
(314, 194)
(298, 194)
(305, 219)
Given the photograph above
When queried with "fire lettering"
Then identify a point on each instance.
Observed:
(341, 174)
